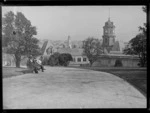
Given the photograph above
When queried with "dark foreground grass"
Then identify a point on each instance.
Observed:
(137, 77)
(13, 71)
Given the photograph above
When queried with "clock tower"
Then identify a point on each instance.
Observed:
(108, 35)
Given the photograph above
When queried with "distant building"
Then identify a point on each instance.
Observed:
(72, 47)
(112, 49)
(77, 55)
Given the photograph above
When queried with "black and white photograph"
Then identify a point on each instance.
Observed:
(56, 57)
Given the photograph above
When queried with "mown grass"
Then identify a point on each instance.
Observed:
(137, 77)
(13, 71)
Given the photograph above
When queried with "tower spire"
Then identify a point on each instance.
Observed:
(109, 15)
(14, 10)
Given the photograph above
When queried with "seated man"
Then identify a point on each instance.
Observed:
(41, 59)
(40, 63)
(31, 64)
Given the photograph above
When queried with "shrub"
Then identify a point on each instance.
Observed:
(142, 63)
(60, 59)
(53, 59)
(118, 63)
(45, 60)
(64, 59)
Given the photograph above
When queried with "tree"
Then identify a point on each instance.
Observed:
(17, 36)
(137, 45)
(64, 59)
(92, 49)
(144, 28)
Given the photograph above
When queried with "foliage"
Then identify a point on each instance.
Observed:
(144, 28)
(53, 60)
(59, 59)
(137, 45)
(17, 36)
(92, 49)
(45, 60)
(144, 9)
(118, 63)
(64, 59)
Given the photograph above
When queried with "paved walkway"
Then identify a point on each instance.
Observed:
(60, 87)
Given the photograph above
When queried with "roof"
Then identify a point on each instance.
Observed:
(73, 52)
(115, 52)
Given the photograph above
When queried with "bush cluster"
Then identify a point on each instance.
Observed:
(58, 59)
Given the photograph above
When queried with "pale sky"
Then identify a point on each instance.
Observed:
(80, 22)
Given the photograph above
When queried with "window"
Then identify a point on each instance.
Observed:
(74, 60)
(84, 59)
(105, 40)
(79, 59)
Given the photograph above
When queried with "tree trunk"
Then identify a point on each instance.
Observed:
(142, 60)
(18, 60)
(91, 62)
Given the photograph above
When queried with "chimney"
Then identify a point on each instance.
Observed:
(69, 42)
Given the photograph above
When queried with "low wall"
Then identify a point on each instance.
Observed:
(109, 61)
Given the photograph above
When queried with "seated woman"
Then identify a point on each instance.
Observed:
(40, 64)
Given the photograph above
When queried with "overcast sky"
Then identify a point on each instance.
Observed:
(80, 22)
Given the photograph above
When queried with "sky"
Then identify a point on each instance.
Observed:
(81, 22)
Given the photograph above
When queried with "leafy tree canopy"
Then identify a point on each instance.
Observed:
(92, 49)
(144, 27)
(138, 44)
(17, 36)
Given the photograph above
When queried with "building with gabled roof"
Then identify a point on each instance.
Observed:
(77, 54)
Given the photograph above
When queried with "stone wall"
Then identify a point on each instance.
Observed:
(109, 61)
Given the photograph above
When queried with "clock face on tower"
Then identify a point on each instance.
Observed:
(106, 31)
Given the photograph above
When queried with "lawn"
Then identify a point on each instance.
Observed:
(137, 77)
(13, 71)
